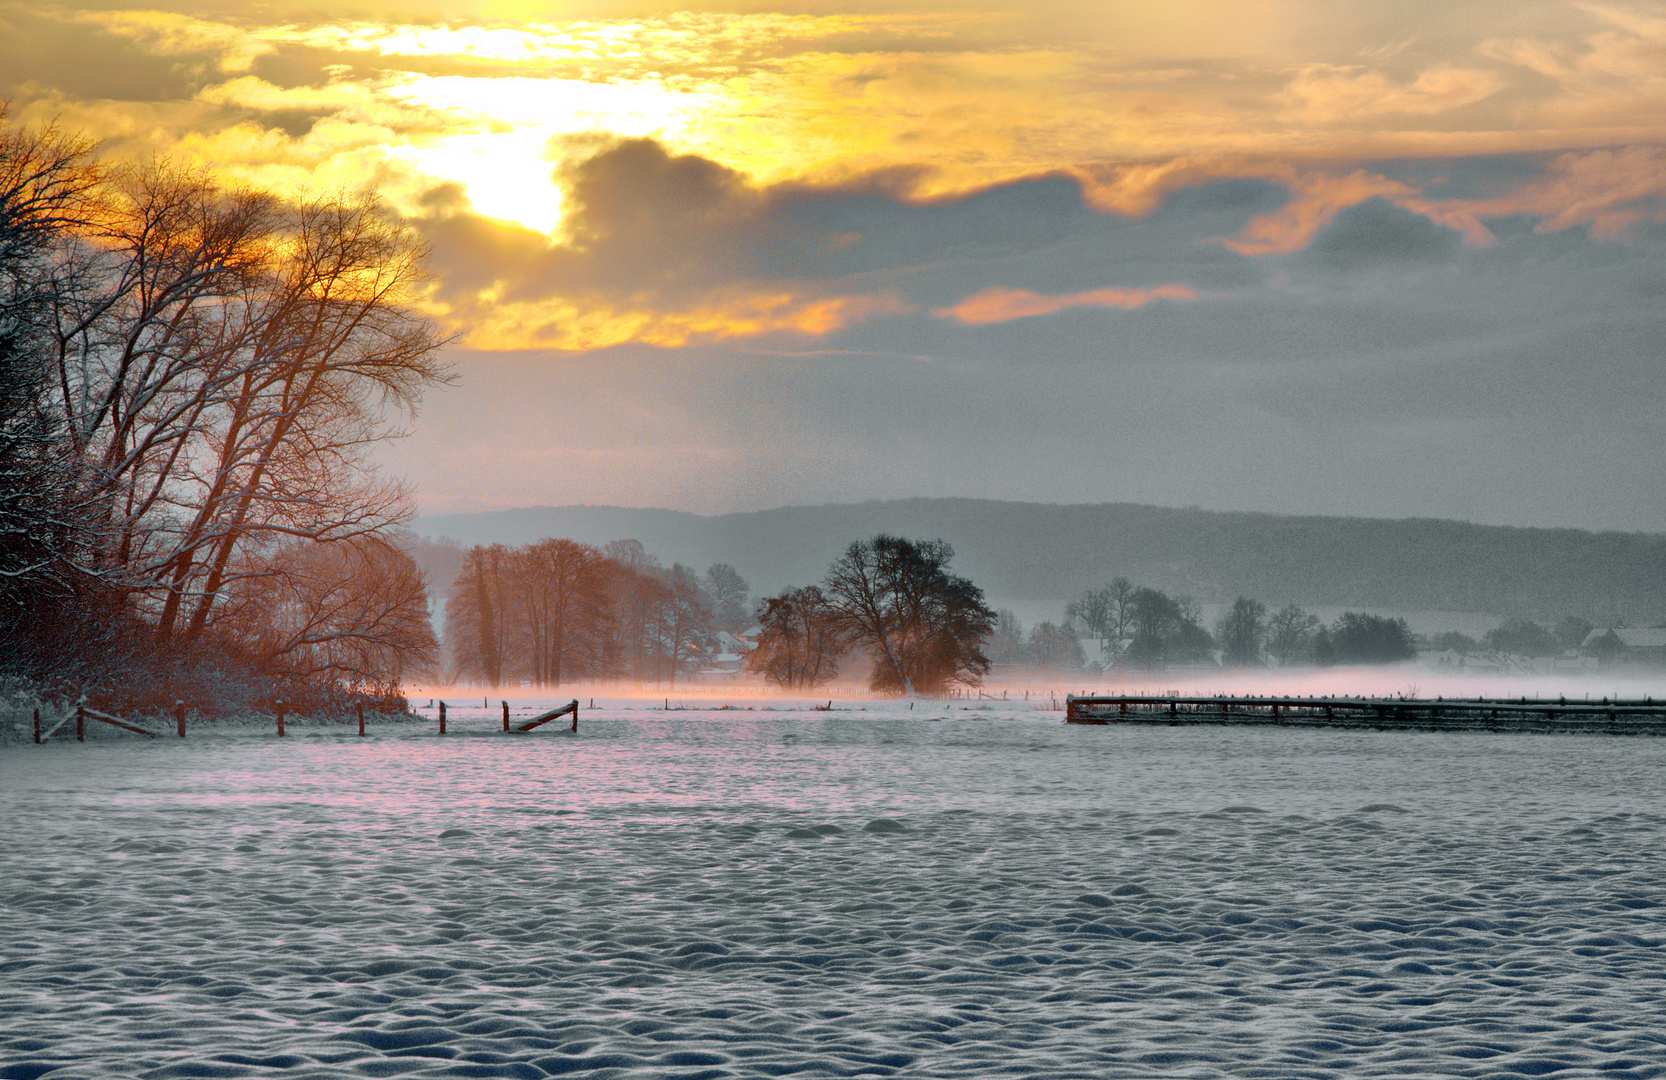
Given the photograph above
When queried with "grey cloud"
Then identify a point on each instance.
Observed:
(1515, 383)
(647, 225)
(1376, 233)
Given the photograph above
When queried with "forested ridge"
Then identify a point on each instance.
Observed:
(1044, 554)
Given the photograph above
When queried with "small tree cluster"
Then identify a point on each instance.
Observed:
(558, 611)
(800, 640)
(1356, 638)
(1048, 647)
(921, 627)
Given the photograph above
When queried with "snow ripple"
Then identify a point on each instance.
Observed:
(884, 897)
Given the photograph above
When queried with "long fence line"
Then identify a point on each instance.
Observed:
(1629, 717)
(82, 714)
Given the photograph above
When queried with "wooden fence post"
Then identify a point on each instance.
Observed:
(575, 715)
(179, 717)
(361, 719)
(280, 719)
(37, 725)
(506, 716)
(80, 724)
(442, 718)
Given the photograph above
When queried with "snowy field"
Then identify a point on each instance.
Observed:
(975, 890)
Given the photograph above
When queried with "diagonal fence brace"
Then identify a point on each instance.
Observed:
(544, 718)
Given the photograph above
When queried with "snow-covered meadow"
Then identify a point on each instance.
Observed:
(960, 889)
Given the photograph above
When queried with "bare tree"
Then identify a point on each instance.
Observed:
(560, 611)
(631, 554)
(1241, 632)
(209, 370)
(474, 616)
(1006, 641)
(45, 181)
(636, 601)
(728, 592)
(800, 643)
(222, 365)
(350, 611)
(924, 628)
(1290, 635)
(684, 622)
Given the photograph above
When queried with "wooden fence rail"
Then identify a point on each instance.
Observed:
(544, 718)
(1641, 717)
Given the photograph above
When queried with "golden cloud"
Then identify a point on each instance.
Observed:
(998, 305)
(169, 33)
(594, 323)
(1135, 101)
(1609, 190)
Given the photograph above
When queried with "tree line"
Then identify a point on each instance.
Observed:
(558, 611)
(192, 380)
(1149, 630)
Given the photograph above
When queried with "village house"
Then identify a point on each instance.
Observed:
(1626, 646)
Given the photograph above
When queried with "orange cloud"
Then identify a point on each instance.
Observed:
(1316, 197)
(577, 326)
(999, 305)
(1609, 190)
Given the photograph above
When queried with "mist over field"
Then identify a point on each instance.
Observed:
(1036, 558)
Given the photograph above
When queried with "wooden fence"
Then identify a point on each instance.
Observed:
(1633, 717)
(82, 714)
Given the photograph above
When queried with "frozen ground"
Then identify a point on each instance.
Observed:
(730, 893)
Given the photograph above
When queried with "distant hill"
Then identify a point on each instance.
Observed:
(1036, 557)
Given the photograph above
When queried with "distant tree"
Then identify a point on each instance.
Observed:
(922, 626)
(1055, 648)
(1241, 632)
(1190, 610)
(440, 559)
(1453, 641)
(800, 641)
(1356, 638)
(1104, 611)
(1290, 635)
(473, 615)
(1164, 631)
(685, 622)
(637, 600)
(1006, 641)
(1522, 637)
(1571, 632)
(728, 592)
(631, 554)
(557, 611)
(1607, 647)
(1121, 591)
(1093, 610)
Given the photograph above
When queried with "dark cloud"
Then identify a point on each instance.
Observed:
(1376, 233)
(646, 225)
(1513, 382)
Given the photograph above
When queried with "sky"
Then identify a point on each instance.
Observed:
(1387, 258)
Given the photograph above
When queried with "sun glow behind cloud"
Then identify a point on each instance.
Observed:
(1135, 102)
